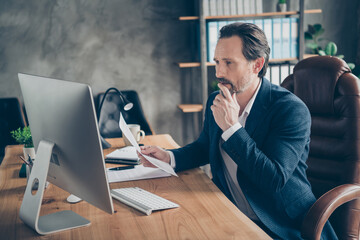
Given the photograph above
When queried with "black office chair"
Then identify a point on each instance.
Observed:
(11, 118)
(110, 112)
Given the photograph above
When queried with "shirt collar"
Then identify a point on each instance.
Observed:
(248, 106)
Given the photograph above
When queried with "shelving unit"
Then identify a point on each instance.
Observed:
(203, 64)
(197, 64)
(190, 108)
(258, 15)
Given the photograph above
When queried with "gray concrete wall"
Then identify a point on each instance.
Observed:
(129, 44)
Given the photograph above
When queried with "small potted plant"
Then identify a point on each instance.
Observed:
(315, 42)
(281, 6)
(23, 136)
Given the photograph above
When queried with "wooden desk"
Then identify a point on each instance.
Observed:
(204, 213)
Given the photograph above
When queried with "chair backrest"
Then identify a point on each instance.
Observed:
(332, 94)
(11, 118)
(109, 117)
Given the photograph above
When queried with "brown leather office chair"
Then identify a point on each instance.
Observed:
(332, 94)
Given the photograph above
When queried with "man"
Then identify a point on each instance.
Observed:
(256, 138)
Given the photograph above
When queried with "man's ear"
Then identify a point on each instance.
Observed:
(258, 64)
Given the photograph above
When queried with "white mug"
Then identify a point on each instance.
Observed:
(136, 132)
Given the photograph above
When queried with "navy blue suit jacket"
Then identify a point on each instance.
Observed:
(270, 152)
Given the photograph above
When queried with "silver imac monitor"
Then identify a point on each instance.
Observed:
(69, 155)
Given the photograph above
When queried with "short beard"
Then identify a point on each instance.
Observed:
(244, 87)
(232, 89)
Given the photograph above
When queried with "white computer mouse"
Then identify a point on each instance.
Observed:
(73, 199)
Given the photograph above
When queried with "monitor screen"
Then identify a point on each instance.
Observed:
(63, 113)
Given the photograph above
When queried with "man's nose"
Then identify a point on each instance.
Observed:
(220, 73)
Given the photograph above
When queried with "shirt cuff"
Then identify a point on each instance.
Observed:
(230, 131)
(172, 159)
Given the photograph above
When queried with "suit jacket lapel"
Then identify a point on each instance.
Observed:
(257, 112)
(215, 146)
(259, 107)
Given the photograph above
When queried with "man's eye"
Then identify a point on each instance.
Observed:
(228, 62)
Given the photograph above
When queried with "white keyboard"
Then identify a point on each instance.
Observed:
(141, 200)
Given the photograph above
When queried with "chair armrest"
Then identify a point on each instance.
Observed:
(322, 209)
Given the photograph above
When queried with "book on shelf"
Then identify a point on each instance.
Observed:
(219, 7)
(226, 7)
(240, 7)
(294, 49)
(221, 24)
(206, 8)
(259, 23)
(247, 8)
(253, 5)
(276, 38)
(268, 30)
(286, 35)
(277, 73)
(212, 36)
(212, 7)
(258, 6)
(228, 22)
(249, 21)
(281, 33)
(284, 72)
(231, 7)
(267, 74)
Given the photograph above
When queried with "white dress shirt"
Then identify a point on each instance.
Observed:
(230, 167)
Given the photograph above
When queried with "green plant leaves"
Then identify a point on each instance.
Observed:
(311, 35)
(214, 86)
(308, 36)
(315, 30)
(321, 53)
(351, 66)
(312, 45)
(311, 29)
(331, 49)
(319, 32)
(23, 136)
(317, 27)
(314, 42)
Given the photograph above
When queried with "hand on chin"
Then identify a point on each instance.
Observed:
(225, 108)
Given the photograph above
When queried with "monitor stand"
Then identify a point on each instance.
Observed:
(31, 204)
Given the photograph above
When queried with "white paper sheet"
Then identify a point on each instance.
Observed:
(128, 152)
(137, 173)
(160, 164)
